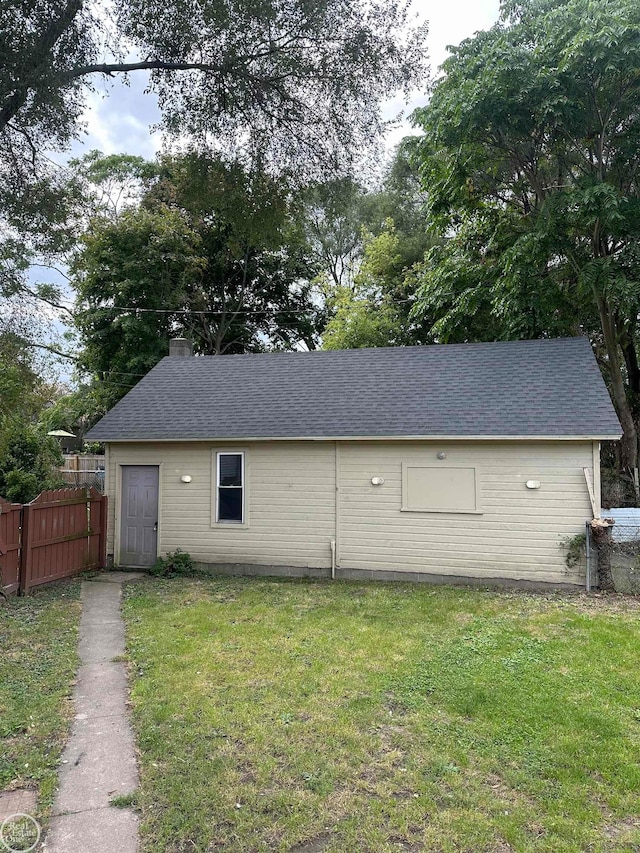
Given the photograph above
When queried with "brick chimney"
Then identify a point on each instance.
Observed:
(180, 346)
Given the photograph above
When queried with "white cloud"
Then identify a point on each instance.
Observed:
(118, 117)
(450, 23)
(454, 20)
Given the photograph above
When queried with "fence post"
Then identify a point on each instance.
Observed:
(103, 531)
(588, 549)
(25, 550)
(87, 509)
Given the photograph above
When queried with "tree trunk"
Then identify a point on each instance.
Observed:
(601, 533)
(629, 442)
(631, 360)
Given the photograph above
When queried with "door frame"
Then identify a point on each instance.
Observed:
(118, 506)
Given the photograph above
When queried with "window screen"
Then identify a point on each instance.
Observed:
(230, 487)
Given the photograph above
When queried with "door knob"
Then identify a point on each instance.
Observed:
(155, 527)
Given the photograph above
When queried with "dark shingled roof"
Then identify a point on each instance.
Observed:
(519, 388)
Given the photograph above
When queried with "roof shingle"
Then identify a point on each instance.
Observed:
(517, 388)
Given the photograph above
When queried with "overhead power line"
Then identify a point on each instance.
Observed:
(230, 311)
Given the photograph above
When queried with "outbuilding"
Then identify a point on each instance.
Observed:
(474, 462)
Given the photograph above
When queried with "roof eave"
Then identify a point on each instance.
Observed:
(420, 437)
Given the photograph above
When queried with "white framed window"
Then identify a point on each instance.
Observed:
(230, 488)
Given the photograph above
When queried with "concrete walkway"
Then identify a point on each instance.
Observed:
(99, 761)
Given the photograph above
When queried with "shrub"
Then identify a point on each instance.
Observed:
(575, 547)
(175, 563)
(28, 462)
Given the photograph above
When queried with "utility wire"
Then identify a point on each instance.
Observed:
(230, 311)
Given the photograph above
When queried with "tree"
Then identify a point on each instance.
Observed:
(300, 71)
(334, 213)
(303, 79)
(27, 455)
(28, 462)
(372, 306)
(105, 185)
(76, 411)
(338, 212)
(530, 158)
(212, 252)
(375, 312)
(23, 390)
(364, 315)
(295, 83)
(142, 262)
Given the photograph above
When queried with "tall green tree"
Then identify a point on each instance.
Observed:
(301, 71)
(142, 262)
(28, 457)
(77, 410)
(388, 236)
(531, 158)
(334, 213)
(300, 81)
(367, 314)
(295, 83)
(212, 252)
(24, 391)
(339, 213)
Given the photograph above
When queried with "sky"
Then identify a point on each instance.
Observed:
(118, 117)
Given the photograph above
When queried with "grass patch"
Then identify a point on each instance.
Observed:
(125, 801)
(298, 716)
(38, 638)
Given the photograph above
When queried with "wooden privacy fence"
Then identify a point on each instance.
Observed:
(10, 525)
(60, 533)
(83, 470)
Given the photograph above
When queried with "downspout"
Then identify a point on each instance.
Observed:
(588, 547)
(335, 542)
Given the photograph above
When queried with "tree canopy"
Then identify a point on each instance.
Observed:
(370, 303)
(294, 70)
(530, 158)
(297, 80)
(295, 85)
(210, 251)
(27, 454)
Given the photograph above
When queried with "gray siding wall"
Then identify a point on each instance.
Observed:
(294, 511)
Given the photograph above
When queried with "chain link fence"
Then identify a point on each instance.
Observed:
(84, 469)
(613, 551)
(620, 488)
(84, 478)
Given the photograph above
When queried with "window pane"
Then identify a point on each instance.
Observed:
(230, 504)
(230, 469)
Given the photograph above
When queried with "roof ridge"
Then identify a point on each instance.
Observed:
(400, 348)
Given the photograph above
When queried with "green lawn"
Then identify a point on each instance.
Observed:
(38, 638)
(300, 716)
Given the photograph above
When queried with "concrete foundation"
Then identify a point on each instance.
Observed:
(251, 569)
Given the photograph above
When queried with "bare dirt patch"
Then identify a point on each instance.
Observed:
(314, 845)
(627, 828)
